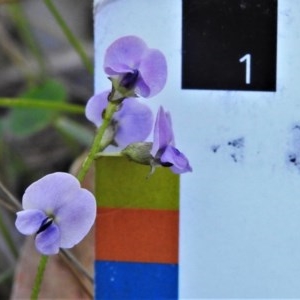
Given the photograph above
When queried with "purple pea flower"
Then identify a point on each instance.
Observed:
(58, 211)
(163, 149)
(134, 67)
(131, 123)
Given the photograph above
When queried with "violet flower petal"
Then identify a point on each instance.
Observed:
(70, 210)
(51, 192)
(76, 217)
(180, 163)
(95, 107)
(153, 71)
(29, 221)
(163, 133)
(124, 55)
(130, 54)
(47, 242)
(135, 121)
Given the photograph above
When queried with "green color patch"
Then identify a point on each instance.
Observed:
(125, 184)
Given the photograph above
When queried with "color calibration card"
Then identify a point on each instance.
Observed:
(233, 92)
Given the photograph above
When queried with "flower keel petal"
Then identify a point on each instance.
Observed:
(47, 242)
(180, 163)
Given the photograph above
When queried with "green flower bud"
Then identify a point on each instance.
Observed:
(139, 153)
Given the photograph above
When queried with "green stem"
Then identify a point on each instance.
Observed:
(44, 104)
(96, 146)
(69, 35)
(39, 277)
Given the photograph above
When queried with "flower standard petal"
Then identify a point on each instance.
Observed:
(95, 107)
(153, 71)
(134, 121)
(163, 133)
(49, 192)
(76, 217)
(124, 55)
(29, 221)
(47, 242)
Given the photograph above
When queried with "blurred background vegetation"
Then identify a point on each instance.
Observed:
(38, 62)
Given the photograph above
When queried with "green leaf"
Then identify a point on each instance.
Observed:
(26, 121)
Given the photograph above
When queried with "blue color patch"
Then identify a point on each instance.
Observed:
(131, 280)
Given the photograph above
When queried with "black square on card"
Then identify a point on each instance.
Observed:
(229, 44)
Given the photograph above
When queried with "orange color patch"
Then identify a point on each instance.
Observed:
(137, 235)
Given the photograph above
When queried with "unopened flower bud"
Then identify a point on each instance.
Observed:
(139, 153)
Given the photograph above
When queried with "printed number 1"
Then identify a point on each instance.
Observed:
(247, 59)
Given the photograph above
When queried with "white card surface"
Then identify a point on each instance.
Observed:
(240, 207)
